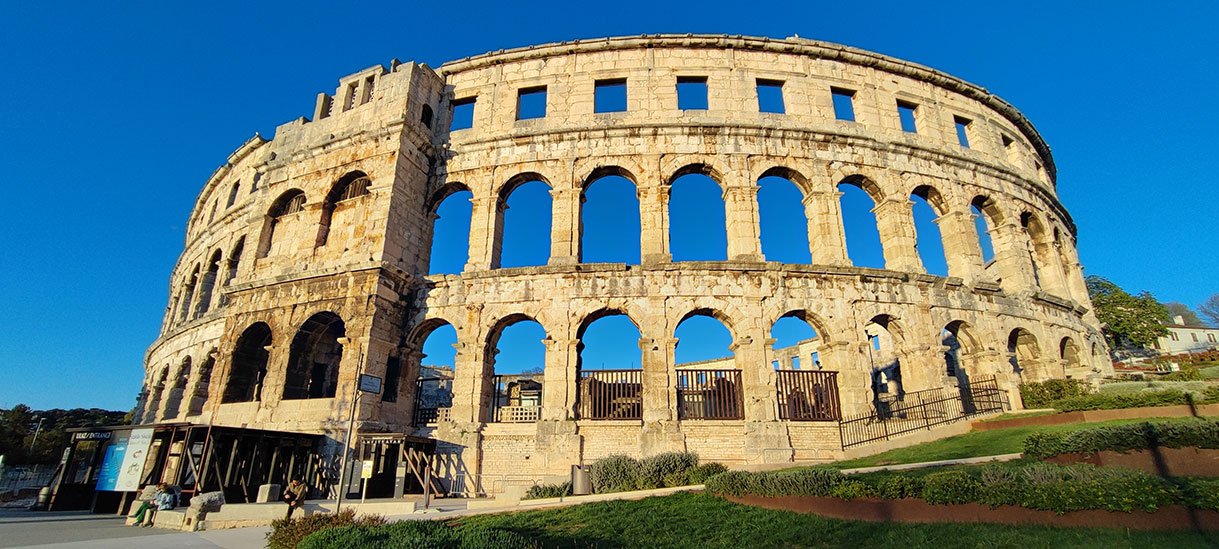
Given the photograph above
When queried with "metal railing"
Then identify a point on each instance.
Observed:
(922, 410)
(610, 394)
(516, 398)
(432, 396)
(709, 394)
(807, 395)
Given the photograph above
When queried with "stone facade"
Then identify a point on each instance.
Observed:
(323, 235)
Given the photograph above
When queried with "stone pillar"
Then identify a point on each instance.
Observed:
(1011, 258)
(741, 212)
(854, 375)
(922, 368)
(486, 226)
(659, 378)
(559, 382)
(895, 222)
(1055, 282)
(469, 383)
(961, 248)
(757, 378)
(654, 224)
(565, 225)
(826, 238)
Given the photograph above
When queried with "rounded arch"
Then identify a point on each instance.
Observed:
(188, 296)
(697, 215)
(248, 367)
(798, 179)
(496, 329)
(352, 185)
(234, 260)
(704, 329)
(712, 312)
(203, 380)
(157, 394)
(424, 330)
(208, 284)
(818, 325)
(443, 192)
(173, 399)
(797, 340)
(783, 222)
(989, 208)
(958, 341)
(314, 358)
(600, 172)
(866, 184)
(697, 168)
(601, 313)
(1068, 351)
(522, 232)
(513, 183)
(933, 198)
(610, 225)
(1023, 351)
(289, 202)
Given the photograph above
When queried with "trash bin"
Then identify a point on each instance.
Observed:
(44, 499)
(581, 483)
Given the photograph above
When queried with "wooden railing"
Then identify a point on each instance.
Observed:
(709, 394)
(610, 394)
(807, 395)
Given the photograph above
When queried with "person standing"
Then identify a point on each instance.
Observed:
(294, 496)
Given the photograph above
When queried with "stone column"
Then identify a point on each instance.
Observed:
(741, 212)
(961, 248)
(654, 224)
(895, 222)
(757, 378)
(854, 375)
(922, 368)
(1055, 281)
(565, 225)
(559, 382)
(1011, 258)
(469, 383)
(659, 378)
(826, 237)
(486, 226)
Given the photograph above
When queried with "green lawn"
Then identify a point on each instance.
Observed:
(703, 521)
(1210, 372)
(1127, 387)
(973, 444)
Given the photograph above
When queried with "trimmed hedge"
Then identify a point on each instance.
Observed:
(619, 473)
(1040, 395)
(417, 534)
(1043, 486)
(1114, 401)
(1202, 433)
(287, 533)
(541, 491)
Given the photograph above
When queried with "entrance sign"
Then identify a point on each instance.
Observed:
(112, 463)
(366, 469)
(370, 384)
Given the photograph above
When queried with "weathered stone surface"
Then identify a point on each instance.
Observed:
(254, 256)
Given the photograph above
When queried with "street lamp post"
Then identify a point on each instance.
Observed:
(36, 431)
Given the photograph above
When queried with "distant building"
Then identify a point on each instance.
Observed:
(1187, 339)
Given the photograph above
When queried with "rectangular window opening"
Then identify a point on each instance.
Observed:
(609, 95)
(349, 99)
(962, 130)
(906, 111)
(844, 104)
(463, 114)
(368, 87)
(692, 93)
(531, 103)
(770, 96)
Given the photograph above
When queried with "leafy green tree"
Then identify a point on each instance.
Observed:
(17, 427)
(1210, 309)
(1127, 319)
(1182, 310)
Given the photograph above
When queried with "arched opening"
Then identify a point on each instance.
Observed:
(188, 295)
(207, 285)
(805, 392)
(782, 221)
(234, 261)
(609, 220)
(199, 392)
(523, 235)
(249, 365)
(351, 186)
(986, 216)
(450, 249)
(884, 344)
(609, 367)
(697, 222)
(233, 194)
(425, 116)
(864, 247)
(155, 395)
(708, 381)
(290, 203)
(1032, 233)
(1023, 353)
(1069, 353)
(434, 378)
(515, 362)
(926, 209)
(173, 400)
(315, 357)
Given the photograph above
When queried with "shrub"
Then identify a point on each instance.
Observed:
(947, 487)
(1083, 486)
(540, 491)
(1200, 493)
(1040, 395)
(1114, 401)
(654, 469)
(1210, 395)
(800, 482)
(1188, 373)
(899, 486)
(851, 489)
(421, 534)
(616, 473)
(700, 474)
(1200, 433)
(287, 533)
(680, 478)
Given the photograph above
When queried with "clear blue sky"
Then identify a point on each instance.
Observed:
(114, 114)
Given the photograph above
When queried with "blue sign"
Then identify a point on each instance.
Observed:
(112, 465)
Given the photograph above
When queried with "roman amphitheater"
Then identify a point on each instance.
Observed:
(306, 261)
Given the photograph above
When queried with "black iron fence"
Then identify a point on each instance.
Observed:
(709, 394)
(922, 410)
(516, 398)
(807, 395)
(610, 394)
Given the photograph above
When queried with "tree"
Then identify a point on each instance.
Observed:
(1210, 309)
(17, 428)
(1182, 310)
(1127, 319)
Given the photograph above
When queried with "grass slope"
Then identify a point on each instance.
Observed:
(703, 521)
